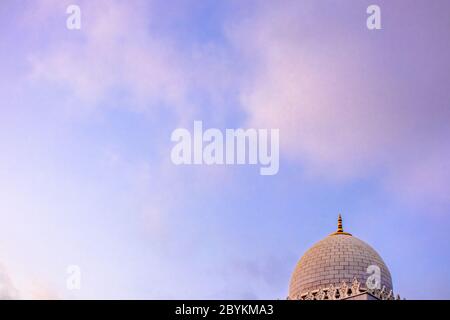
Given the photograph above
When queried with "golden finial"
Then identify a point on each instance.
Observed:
(340, 229)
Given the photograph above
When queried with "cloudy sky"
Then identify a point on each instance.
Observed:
(86, 117)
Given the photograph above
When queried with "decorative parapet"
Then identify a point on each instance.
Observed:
(345, 291)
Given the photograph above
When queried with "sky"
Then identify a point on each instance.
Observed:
(86, 117)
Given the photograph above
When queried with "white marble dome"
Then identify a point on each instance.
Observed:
(338, 257)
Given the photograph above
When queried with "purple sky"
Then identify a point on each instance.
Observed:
(85, 123)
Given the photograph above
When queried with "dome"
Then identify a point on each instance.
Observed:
(338, 257)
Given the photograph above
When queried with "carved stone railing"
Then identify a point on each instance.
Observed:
(345, 291)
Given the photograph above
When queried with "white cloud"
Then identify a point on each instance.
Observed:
(7, 289)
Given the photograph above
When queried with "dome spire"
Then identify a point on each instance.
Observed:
(340, 229)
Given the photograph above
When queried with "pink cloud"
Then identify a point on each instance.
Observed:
(348, 104)
(117, 49)
(111, 50)
(346, 109)
(15, 285)
(7, 288)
